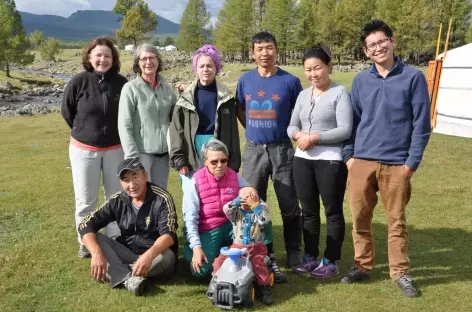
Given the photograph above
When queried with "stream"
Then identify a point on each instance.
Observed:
(46, 95)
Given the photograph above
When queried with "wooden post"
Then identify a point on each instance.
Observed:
(430, 75)
(447, 39)
(434, 96)
(439, 41)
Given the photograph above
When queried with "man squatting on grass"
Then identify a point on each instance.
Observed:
(147, 246)
(391, 129)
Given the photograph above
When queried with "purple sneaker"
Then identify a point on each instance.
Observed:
(325, 270)
(309, 264)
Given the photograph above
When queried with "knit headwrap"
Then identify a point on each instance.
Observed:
(208, 50)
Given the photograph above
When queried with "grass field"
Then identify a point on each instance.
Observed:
(40, 271)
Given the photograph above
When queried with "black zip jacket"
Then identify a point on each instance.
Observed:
(90, 107)
(156, 217)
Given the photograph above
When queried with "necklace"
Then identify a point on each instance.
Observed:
(322, 91)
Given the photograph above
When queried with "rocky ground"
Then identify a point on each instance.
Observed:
(32, 100)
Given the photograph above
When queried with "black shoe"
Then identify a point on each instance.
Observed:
(280, 277)
(294, 258)
(354, 276)
(265, 294)
(406, 285)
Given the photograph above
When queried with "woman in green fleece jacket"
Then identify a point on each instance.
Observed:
(205, 110)
(145, 111)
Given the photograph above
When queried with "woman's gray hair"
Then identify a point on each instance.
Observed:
(146, 47)
(213, 145)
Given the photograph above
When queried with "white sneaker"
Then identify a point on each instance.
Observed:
(136, 285)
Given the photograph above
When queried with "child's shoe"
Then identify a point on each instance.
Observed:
(265, 294)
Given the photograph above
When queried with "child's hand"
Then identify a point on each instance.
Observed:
(252, 199)
(249, 197)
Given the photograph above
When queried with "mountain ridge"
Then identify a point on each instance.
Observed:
(85, 24)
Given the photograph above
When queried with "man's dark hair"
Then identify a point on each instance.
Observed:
(375, 26)
(318, 52)
(263, 36)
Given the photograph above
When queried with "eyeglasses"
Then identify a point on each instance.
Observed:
(221, 161)
(381, 43)
(150, 59)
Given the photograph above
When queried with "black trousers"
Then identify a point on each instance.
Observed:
(328, 179)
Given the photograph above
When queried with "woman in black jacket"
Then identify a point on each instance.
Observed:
(90, 109)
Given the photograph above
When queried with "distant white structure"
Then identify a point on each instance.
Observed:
(454, 102)
(129, 47)
(116, 47)
(170, 48)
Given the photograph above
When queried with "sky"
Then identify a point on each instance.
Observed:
(170, 9)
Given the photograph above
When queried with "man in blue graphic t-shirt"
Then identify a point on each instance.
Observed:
(266, 97)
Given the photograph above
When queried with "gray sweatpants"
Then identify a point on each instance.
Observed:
(157, 168)
(88, 168)
(275, 161)
(120, 260)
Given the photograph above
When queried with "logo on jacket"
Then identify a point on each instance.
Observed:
(230, 191)
(147, 220)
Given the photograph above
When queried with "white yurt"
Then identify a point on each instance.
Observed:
(170, 48)
(454, 101)
(129, 47)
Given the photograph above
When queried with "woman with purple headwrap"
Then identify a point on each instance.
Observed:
(205, 110)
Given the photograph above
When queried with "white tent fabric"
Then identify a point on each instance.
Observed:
(454, 101)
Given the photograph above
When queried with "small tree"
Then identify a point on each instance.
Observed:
(123, 6)
(156, 42)
(194, 26)
(234, 27)
(36, 38)
(137, 22)
(281, 19)
(14, 45)
(49, 49)
(169, 41)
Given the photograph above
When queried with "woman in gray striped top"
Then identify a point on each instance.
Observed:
(321, 121)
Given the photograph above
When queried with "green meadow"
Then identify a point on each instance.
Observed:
(40, 270)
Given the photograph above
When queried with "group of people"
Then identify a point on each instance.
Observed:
(130, 134)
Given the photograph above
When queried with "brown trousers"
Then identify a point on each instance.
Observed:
(365, 179)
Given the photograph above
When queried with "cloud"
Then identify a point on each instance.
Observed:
(170, 9)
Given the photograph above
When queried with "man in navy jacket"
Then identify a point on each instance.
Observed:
(390, 132)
